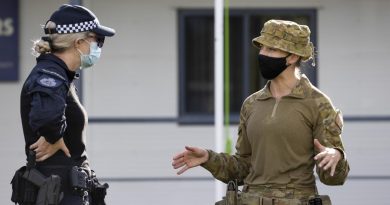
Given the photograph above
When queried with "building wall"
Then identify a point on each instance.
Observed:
(138, 77)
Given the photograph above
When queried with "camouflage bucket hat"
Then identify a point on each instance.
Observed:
(287, 36)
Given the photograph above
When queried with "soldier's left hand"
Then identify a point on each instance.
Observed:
(327, 157)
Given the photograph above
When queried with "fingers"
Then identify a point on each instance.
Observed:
(37, 143)
(185, 168)
(177, 161)
(178, 165)
(191, 149)
(60, 145)
(323, 162)
(44, 150)
(320, 155)
(191, 157)
(332, 165)
(41, 154)
(38, 154)
(39, 150)
(332, 171)
(328, 160)
(65, 150)
(43, 158)
(318, 146)
(178, 156)
(33, 146)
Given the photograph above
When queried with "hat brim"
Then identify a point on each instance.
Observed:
(103, 31)
(265, 39)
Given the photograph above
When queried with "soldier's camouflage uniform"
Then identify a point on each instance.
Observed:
(275, 149)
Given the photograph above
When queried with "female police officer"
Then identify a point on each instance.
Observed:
(285, 128)
(53, 118)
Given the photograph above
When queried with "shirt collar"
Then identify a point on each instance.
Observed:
(53, 58)
(299, 91)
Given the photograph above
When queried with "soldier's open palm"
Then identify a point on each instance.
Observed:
(191, 157)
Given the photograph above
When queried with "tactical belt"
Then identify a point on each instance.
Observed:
(282, 191)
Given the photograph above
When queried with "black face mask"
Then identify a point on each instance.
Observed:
(270, 67)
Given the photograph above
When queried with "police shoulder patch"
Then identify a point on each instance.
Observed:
(49, 81)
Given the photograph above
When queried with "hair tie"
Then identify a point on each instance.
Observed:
(49, 40)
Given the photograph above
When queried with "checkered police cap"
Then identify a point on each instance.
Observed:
(75, 19)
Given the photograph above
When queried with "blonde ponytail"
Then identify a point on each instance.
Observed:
(55, 42)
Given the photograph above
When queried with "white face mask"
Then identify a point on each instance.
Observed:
(88, 60)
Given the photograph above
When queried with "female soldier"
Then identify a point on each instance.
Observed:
(53, 118)
(285, 128)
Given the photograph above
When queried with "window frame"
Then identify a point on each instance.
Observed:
(187, 118)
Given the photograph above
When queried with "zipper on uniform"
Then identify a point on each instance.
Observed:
(275, 107)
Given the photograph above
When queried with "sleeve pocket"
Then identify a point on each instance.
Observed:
(334, 122)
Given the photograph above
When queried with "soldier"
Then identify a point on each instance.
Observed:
(285, 129)
(53, 118)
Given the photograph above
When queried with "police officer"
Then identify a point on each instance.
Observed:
(285, 129)
(53, 118)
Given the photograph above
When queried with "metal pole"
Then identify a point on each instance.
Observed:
(218, 86)
(78, 83)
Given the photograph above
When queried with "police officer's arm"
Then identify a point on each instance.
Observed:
(47, 114)
(328, 133)
(225, 167)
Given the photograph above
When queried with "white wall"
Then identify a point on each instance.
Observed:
(138, 77)
(353, 49)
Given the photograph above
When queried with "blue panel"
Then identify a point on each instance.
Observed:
(9, 43)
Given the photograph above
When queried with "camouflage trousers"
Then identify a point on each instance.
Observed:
(265, 195)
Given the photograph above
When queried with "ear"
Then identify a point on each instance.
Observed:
(77, 43)
(292, 59)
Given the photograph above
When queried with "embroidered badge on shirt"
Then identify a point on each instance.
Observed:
(48, 81)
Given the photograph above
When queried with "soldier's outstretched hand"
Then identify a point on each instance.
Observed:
(191, 157)
(327, 157)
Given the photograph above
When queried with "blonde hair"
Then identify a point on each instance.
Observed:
(55, 42)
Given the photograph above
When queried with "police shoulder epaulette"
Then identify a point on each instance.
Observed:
(52, 73)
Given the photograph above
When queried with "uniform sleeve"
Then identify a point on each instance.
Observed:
(328, 131)
(225, 167)
(47, 114)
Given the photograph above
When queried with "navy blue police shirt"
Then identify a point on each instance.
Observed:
(50, 108)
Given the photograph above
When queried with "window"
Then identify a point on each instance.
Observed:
(196, 58)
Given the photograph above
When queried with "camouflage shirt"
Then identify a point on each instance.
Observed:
(275, 142)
